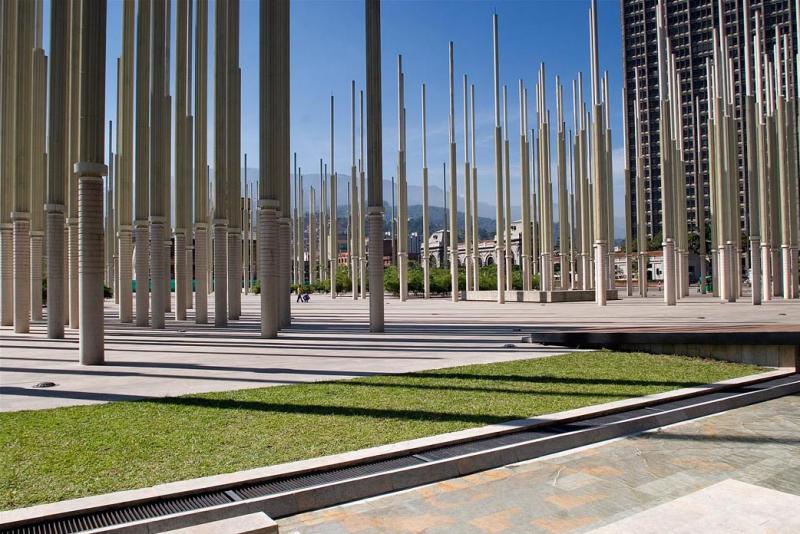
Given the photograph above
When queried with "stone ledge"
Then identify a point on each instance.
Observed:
(261, 474)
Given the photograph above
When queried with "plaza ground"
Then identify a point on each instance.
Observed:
(329, 340)
(738, 471)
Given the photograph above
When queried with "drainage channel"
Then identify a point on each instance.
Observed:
(485, 453)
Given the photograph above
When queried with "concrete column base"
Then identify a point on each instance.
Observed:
(755, 270)
(54, 226)
(37, 243)
(91, 236)
(74, 283)
(234, 274)
(158, 276)
(6, 275)
(180, 275)
(284, 259)
(220, 273)
(22, 272)
(601, 279)
(189, 280)
(526, 273)
(670, 289)
(402, 260)
(141, 259)
(201, 273)
(125, 275)
(267, 250)
(501, 275)
(167, 271)
(375, 267)
(766, 269)
(642, 267)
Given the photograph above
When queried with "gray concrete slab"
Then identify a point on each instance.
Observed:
(328, 340)
(728, 506)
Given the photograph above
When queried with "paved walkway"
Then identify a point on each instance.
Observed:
(329, 340)
(601, 485)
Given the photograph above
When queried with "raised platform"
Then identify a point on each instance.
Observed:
(557, 295)
(765, 345)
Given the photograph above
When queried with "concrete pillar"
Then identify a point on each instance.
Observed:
(508, 266)
(38, 167)
(476, 264)
(563, 206)
(641, 231)
(233, 101)
(425, 259)
(467, 194)
(374, 165)
(402, 214)
(355, 207)
(500, 249)
(362, 186)
(21, 216)
(182, 24)
(90, 170)
(453, 199)
(200, 164)
(667, 178)
(141, 228)
(274, 88)
(333, 246)
(221, 189)
(8, 67)
(159, 273)
(525, 191)
(312, 235)
(58, 167)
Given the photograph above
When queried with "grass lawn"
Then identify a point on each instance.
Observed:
(62, 453)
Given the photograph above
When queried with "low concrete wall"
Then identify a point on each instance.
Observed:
(559, 295)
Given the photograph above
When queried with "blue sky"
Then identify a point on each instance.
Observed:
(327, 39)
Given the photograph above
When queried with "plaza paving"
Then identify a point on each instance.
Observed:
(328, 340)
(735, 472)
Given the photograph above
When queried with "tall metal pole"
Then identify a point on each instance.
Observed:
(374, 166)
(355, 207)
(467, 193)
(334, 235)
(200, 164)
(220, 222)
(425, 259)
(453, 200)
(498, 168)
(402, 213)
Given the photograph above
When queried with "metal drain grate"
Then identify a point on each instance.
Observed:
(128, 514)
(164, 507)
(337, 475)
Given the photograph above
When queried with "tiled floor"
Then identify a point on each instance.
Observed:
(597, 486)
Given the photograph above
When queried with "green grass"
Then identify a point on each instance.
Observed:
(63, 453)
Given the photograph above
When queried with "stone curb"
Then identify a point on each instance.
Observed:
(445, 470)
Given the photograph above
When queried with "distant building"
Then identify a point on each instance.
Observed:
(690, 25)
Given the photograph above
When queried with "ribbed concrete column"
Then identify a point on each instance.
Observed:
(182, 138)
(333, 245)
(476, 264)
(374, 165)
(200, 164)
(468, 265)
(90, 169)
(453, 186)
(72, 205)
(284, 149)
(58, 168)
(124, 184)
(425, 259)
(402, 212)
(221, 188)
(525, 191)
(273, 93)
(599, 169)
(159, 274)
(355, 215)
(21, 216)
(142, 193)
(362, 206)
(233, 126)
(509, 264)
(312, 235)
(38, 168)
(8, 60)
(500, 247)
